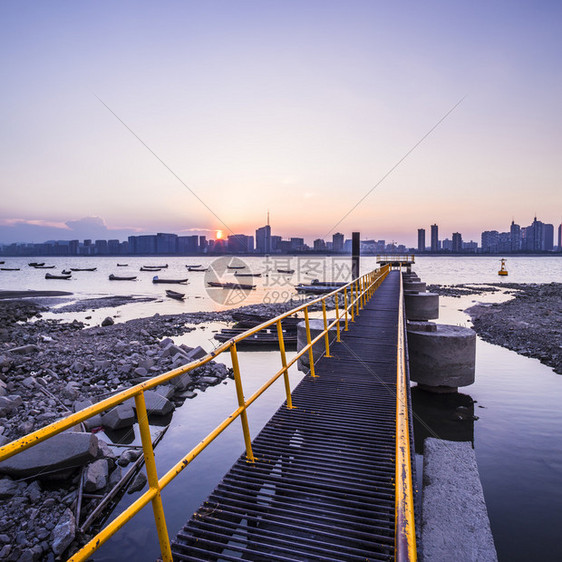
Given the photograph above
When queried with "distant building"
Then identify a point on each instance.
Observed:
(457, 242)
(166, 243)
(447, 245)
(113, 247)
(560, 238)
(337, 242)
(319, 245)
(275, 244)
(421, 239)
(515, 233)
(489, 241)
(188, 245)
(240, 244)
(434, 238)
(263, 240)
(202, 244)
(101, 247)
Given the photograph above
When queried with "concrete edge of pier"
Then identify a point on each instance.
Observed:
(455, 523)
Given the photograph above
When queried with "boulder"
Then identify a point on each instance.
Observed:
(63, 534)
(156, 403)
(96, 476)
(119, 417)
(65, 450)
(9, 403)
(196, 353)
(108, 321)
(90, 423)
(8, 488)
(181, 382)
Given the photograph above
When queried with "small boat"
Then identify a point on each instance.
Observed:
(44, 266)
(318, 287)
(247, 274)
(288, 271)
(236, 266)
(1, 262)
(34, 264)
(83, 268)
(9, 268)
(61, 276)
(503, 270)
(242, 286)
(190, 268)
(122, 265)
(66, 272)
(149, 268)
(156, 266)
(194, 266)
(118, 278)
(157, 279)
(175, 295)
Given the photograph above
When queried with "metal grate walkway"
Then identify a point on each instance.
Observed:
(322, 487)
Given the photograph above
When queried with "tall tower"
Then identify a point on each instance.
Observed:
(421, 239)
(434, 238)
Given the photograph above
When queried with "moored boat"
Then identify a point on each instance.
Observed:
(156, 266)
(175, 295)
(122, 265)
(193, 268)
(9, 268)
(149, 268)
(157, 279)
(66, 272)
(44, 266)
(288, 271)
(121, 278)
(61, 276)
(236, 266)
(318, 287)
(247, 274)
(242, 286)
(196, 266)
(34, 264)
(84, 268)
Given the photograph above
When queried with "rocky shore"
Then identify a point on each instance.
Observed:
(49, 368)
(530, 323)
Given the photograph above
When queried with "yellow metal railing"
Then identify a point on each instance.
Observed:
(355, 295)
(405, 537)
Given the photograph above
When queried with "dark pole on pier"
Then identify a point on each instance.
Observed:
(355, 252)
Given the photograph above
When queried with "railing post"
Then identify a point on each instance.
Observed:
(284, 363)
(351, 301)
(346, 307)
(241, 402)
(152, 477)
(337, 317)
(326, 338)
(357, 297)
(309, 341)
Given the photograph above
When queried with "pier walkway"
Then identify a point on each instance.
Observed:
(322, 485)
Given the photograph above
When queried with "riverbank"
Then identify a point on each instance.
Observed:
(49, 368)
(530, 323)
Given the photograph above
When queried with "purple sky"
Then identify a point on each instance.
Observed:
(299, 107)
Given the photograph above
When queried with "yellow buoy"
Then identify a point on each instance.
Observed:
(503, 270)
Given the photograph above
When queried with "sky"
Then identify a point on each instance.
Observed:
(191, 117)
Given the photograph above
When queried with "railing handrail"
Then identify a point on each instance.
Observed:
(360, 289)
(405, 537)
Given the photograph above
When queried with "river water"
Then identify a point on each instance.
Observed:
(516, 438)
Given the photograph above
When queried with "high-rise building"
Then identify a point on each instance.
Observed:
(337, 242)
(240, 244)
(166, 243)
(560, 238)
(263, 240)
(457, 242)
(434, 238)
(421, 239)
(490, 240)
(319, 245)
(188, 245)
(515, 234)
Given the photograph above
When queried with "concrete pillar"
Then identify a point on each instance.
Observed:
(319, 348)
(421, 306)
(442, 357)
(416, 286)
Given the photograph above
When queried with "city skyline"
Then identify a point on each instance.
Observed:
(360, 116)
(536, 237)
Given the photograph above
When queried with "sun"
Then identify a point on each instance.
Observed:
(219, 234)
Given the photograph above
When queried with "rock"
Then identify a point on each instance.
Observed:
(156, 403)
(65, 450)
(63, 534)
(196, 353)
(33, 492)
(108, 321)
(165, 390)
(71, 390)
(8, 488)
(119, 417)
(90, 423)
(29, 382)
(181, 382)
(138, 483)
(115, 476)
(9, 403)
(96, 476)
